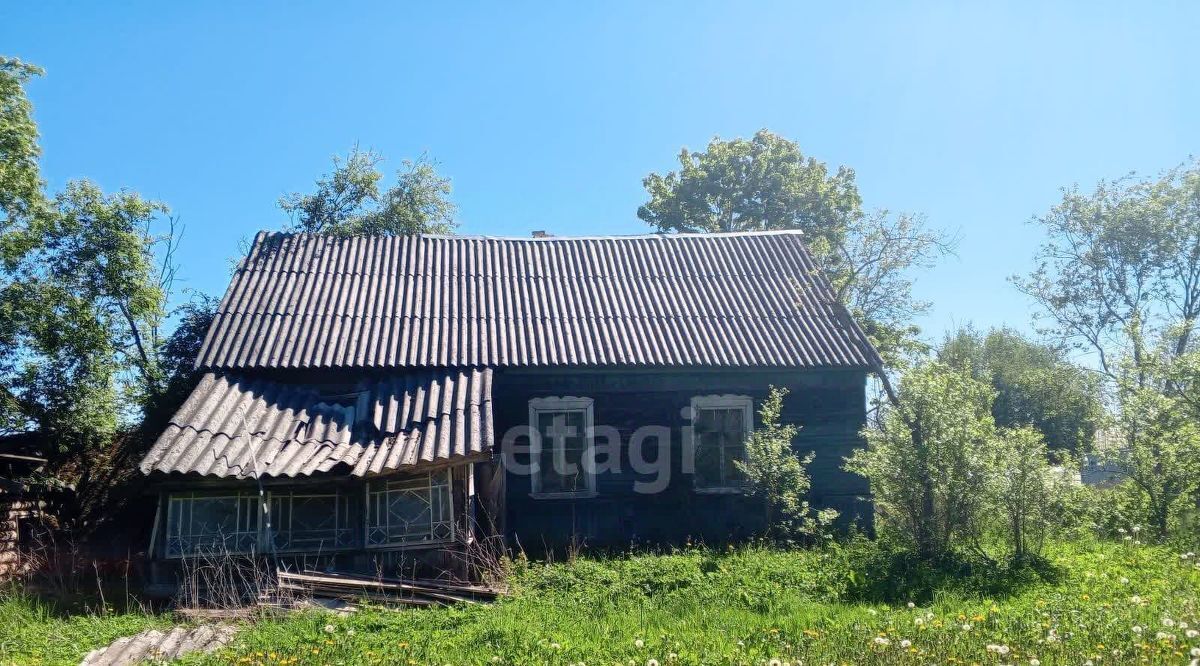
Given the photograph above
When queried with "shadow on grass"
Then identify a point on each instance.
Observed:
(881, 574)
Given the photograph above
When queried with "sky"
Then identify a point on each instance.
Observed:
(548, 116)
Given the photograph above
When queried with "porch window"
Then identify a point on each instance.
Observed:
(562, 448)
(720, 425)
(410, 510)
(311, 522)
(211, 524)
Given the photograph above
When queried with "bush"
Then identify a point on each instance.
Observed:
(778, 478)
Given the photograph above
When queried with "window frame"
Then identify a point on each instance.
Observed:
(720, 402)
(366, 535)
(339, 497)
(562, 404)
(174, 503)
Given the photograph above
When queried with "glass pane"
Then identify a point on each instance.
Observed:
(409, 510)
(708, 459)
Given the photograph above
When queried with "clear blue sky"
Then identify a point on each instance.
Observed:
(548, 117)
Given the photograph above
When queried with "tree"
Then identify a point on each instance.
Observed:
(1036, 384)
(767, 183)
(1029, 494)
(20, 177)
(777, 476)
(928, 456)
(87, 299)
(349, 201)
(1162, 437)
(1119, 277)
(1119, 272)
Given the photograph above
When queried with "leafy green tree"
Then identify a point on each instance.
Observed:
(1028, 493)
(20, 177)
(1119, 277)
(1162, 438)
(778, 477)
(927, 458)
(350, 202)
(1035, 384)
(767, 183)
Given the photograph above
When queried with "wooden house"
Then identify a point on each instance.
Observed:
(372, 401)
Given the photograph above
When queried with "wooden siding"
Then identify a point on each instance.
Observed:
(828, 405)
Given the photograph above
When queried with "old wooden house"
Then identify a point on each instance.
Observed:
(379, 400)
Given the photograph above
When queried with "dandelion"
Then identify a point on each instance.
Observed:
(872, 611)
(639, 643)
(775, 662)
(1135, 600)
(966, 626)
(496, 659)
(652, 662)
(882, 642)
(1192, 633)
(1135, 529)
(556, 646)
(911, 605)
(1035, 662)
(1195, 652)
(1137, 629)
(1161, 636)
(919, 621)
(905, 644)
(672, 656)
(1168, 622)
(1124, 580)
(329, 628)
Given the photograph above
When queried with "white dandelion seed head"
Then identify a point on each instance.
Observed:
(1168, 622)
(651, 662)
(1124, 580)
(872, 611)
(1135, 599)
(911, 605)
(881, 641)
(639, 643)
(496, 659)
(1161, 636)
(906, 644)
(1195, 652)
(966, 627)
(919, 621)
(1183, 625)
(672, 656)
(1135, 529)
(1003, 649)
(775, 662)
(1192, 633)
(556, 646)
(329, 628)
(1035, 662)
(1136, 629)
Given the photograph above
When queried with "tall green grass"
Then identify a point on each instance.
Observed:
(1100, 601)
(39, 632)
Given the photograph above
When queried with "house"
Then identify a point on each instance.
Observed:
(21, 457)
(384, 401)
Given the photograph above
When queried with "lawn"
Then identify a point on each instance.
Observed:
(1110, 603)
(38, 632)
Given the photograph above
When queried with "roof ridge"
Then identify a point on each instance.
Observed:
(708, 235)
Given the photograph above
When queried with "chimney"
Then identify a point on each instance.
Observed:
(541, 233)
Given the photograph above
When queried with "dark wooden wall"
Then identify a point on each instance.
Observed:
(828, 405)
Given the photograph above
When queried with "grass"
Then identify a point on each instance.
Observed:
(37, 632)
(752, 606)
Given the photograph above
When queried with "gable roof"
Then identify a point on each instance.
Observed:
(719, 300)
(231, 424)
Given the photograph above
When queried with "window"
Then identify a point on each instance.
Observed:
(562, 447)
(199, 524)
(311, 522)
(409, 510)
(720, 424)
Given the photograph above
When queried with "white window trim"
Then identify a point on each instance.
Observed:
(560, 404)
(724, 401)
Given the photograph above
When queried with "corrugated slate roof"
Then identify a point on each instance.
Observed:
(400, 421)
(723, 300)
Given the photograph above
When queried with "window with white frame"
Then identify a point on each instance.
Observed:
(720, 425)
(211, 523)
(562, 447)
(410, 510)
(311, 521)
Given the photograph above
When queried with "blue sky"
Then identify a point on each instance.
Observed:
(549, 116)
